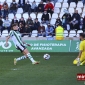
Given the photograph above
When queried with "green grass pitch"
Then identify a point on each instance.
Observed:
(58, 70)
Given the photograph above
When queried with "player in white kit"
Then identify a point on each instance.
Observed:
(19, 44)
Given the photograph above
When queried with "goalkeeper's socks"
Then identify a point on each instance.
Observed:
(21, 58)
(30, 57)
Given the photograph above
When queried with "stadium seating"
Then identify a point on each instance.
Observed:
(2, 1)
(65, 5)
(10, 15)
(83, 14)
(9, 1)
(79, 31)
(40, 36)
(44, 3)
(61, 14)
(25, 15)
(39, 15)
(72, 33)
(65, 0)
(39, 19)
(49, 15)
(26, 36)
(19, 11)
(71, 10)
(72, 5)
(18, 16)
(54, 16)
(9, 4)
(58, 5)
(84, 10)
(79, 10)
(65, 33)
(45, 25)
(80, 5)
(60, 1)
(34, 33)
(37, 1)
(31, 1)
(56, 10)
(59, 9)
(33, 15)
(17, 1)
(52, 22)
(4, 33)
(63, 10)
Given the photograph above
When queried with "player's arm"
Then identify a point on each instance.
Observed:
(80, 52)
(26, 43)
(79, 56)
(7, 40)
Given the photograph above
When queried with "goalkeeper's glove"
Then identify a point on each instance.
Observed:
(78, 59)
(78, 64)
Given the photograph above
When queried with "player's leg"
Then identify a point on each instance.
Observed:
(19, 58)
(21, 48)
(82, 59)
(26, 55)
(26, 52)
(83, 62)
(75, 61)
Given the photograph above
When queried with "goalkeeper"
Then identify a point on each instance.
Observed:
(80, 60)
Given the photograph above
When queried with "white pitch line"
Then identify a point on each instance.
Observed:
(14, 69)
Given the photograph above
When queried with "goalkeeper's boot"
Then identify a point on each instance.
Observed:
(78, 64)
(81, 64)
(35, 62)
(15, 61)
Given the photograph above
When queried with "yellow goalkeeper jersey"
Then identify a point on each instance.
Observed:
(82, 47)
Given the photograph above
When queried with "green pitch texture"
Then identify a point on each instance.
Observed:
(58, 70)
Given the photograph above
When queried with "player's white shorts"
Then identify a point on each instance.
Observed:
(21, 47)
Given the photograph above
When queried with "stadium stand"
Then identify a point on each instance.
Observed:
(25, 15)
(72, 5)
(65, 33)
(19, 11)
(59, 10)
(34, 33)
(79, 31)
(4, 33)
(18, 16)
(72, 33)
(10, 15)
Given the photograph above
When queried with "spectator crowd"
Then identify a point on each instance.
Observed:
(44, 28)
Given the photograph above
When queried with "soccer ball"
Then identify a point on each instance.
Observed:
(46, 56)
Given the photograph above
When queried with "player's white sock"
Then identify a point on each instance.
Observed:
(30, 57)
(21, 58)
